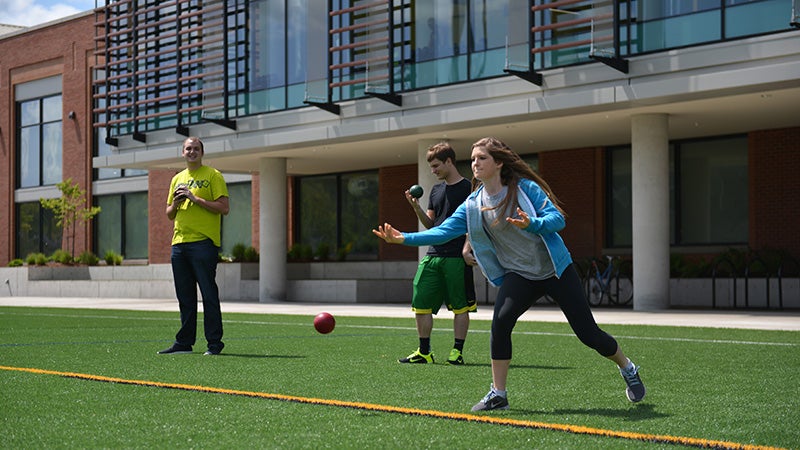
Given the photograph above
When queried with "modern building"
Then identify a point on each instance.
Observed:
(666, 127)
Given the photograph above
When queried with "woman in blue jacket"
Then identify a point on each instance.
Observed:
(512, 219)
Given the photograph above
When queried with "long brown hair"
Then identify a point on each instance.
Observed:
(513, 169)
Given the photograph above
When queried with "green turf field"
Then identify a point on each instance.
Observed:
(75, 378)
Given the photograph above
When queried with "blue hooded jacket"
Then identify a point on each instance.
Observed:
(546, 221)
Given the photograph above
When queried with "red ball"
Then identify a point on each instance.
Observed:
(324, 323)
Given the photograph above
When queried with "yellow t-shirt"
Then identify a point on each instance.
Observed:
(194, 223)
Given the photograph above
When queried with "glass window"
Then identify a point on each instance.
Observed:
(359, 212)
(713, 192)
(37, 231)
(339, 210)
(122, 225)
(237, 225)
(679, 31)
(268, 55)
(108, 225)
(749, 17)
(619, 232)
(136, 230)
(488, 39)
(40, 142)
(657, 9)
(441, 38)
(708, 193)
(318, 210)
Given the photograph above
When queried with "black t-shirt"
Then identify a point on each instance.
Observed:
(443, 201)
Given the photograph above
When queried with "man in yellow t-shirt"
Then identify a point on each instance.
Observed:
(197, 200)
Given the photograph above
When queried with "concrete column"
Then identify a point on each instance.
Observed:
(272, 230)
(650, 185)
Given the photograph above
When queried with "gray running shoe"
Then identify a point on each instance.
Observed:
(635, 390)
(490, 402)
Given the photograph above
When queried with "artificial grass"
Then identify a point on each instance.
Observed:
(740, 386)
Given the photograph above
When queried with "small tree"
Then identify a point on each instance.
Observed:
(69, 208)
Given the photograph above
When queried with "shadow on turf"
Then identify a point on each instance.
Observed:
(245, 355)
(641, 411)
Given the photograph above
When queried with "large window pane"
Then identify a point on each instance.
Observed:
(655, 9)
(39, 149)
(268, 45)
(318, 202)
(29, 157)
(441, 38)
(136, 233)
(28, 229)
(52, 110)
(29, 113)
(296, 42)
(680, 31)
(237, 225)
(339, 210)
(359, 212)
(37, 231)
(121, 226)
(620, 198)
(743, 18)
(488, 40)
(713, 192)
(108, 229)
(51, 153)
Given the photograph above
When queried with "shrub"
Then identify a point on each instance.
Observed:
(684, 267)
(299, 252)
(62, 256)
(250, 255)
(16, 263)
(238, 252)
(88, 258)
(112, 258)
(323, 252)
(36, 259)
(342, 252)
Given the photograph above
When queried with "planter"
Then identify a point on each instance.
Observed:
(37, 273)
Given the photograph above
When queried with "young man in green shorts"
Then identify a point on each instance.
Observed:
(442, 276)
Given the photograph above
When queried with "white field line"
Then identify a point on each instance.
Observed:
(383, 327)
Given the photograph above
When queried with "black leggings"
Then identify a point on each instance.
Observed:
(517, 294)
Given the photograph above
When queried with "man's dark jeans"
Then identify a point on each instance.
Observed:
(195, 264)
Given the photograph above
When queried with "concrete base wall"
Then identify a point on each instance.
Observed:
(348, 282)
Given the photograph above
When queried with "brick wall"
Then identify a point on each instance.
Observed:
(774, 185)
(159, 226)
(394, 209)
(63, 48)
(574, 177)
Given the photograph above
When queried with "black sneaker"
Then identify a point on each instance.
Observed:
(210, 352)
(491, 401)
(635, 390)
(176, 349)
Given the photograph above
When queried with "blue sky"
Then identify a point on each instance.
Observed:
(34, 12)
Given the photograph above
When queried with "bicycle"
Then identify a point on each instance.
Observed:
(609, 282)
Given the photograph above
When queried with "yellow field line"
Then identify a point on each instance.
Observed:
(575, 429)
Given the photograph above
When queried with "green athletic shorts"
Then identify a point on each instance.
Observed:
(443, 280)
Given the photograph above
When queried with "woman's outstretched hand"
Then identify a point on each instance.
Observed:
(389, 234)
(523, 221)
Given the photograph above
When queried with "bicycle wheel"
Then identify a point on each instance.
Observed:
(621, 290)
(593, 288)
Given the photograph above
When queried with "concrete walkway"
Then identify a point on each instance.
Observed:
(760, 320)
